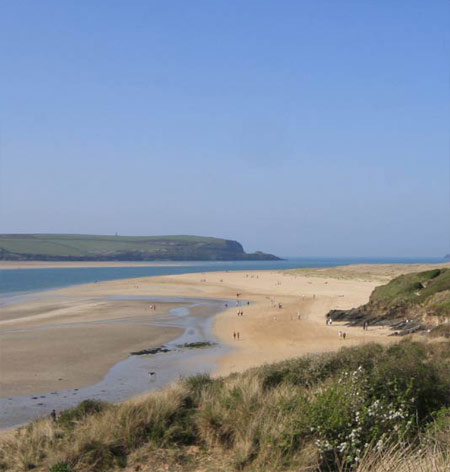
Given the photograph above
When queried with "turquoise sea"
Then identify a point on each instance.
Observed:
(15, 281)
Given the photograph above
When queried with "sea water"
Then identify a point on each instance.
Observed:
(15, 281)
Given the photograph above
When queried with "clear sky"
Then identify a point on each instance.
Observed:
(303, 128)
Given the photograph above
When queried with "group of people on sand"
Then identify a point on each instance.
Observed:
(236, 335)
(240, 312)
(342, 334)
(152, 307)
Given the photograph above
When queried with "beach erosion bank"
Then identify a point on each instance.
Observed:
(70, 338)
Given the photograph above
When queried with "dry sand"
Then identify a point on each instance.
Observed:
(33, 361)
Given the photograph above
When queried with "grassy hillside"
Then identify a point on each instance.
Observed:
(369, 408)
(423, 298)
(90, 247)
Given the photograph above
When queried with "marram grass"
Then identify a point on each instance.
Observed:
(368, 408)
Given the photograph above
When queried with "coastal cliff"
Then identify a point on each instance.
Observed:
(76, 247)
(409, 303)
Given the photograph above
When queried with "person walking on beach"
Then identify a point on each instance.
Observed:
(344, 335)
(53, 415)
(234, 335)
(237, 334)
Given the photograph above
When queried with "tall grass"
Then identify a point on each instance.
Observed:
(366, 408)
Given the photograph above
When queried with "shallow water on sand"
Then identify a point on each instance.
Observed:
(136, 374)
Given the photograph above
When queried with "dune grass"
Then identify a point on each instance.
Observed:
(430, 288)
(364, 408)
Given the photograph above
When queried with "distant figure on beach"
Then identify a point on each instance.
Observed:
(53, 415)
(344, 335)
(298, 315)
(366, 326)
(340, 334)
(234, 335)
(237, 334)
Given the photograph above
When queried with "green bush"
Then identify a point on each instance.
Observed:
(60, 467)
(345, 417)
(86, 408)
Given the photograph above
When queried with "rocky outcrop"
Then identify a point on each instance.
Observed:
(408, 304)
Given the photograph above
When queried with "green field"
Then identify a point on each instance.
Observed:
(130, 248)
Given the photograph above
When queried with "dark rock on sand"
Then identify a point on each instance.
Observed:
(152, 350)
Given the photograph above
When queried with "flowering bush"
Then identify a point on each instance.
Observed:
(346, 416)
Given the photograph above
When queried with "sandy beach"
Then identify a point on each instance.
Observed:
(70, 337)
(81, 264)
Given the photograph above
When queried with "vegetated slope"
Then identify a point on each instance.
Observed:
(355, 410)
(410, 303)
(78, 247)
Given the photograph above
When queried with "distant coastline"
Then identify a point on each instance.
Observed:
(94, 248)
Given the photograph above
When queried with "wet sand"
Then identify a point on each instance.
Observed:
(135, 374)
(78, 333)
(73, 343)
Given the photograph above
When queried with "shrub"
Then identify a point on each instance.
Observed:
(346, 417)
(86, 408)
(60, 467)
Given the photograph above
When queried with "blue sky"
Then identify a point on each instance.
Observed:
(301, 128)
